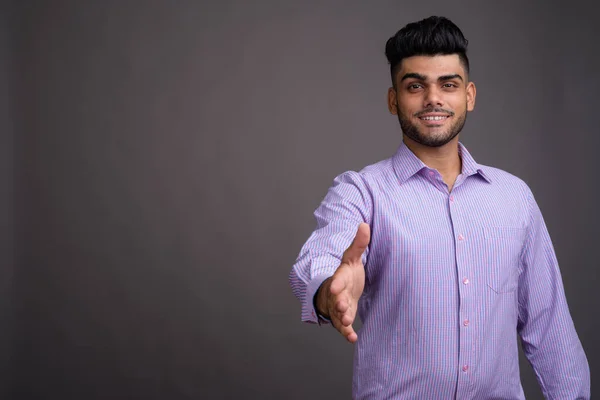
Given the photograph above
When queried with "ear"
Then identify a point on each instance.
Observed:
(392, 100)
(471, 93)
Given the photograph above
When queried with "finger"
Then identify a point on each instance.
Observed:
(341, 306)
(353, 254)
(347, 318)
(352, 337)
(338, 284)
(349, 334)
(344, 311)
(346, 331)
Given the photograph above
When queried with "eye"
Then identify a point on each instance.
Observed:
(449, 85)
(415, 86)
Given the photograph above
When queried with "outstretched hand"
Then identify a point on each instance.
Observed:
(338, 296)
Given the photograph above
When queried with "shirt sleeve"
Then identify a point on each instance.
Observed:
(347, 204)
(549, 339)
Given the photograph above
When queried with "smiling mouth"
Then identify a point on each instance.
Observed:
(434, 118)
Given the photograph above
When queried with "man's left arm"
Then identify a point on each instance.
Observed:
(548, 334)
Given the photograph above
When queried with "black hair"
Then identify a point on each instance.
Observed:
(428, 37)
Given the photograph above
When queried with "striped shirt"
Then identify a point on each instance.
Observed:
(451, 279)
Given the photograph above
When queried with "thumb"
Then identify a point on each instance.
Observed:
(353, 254)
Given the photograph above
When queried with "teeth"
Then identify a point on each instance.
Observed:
(435, 118)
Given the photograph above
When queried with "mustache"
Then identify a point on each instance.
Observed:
(434, 110)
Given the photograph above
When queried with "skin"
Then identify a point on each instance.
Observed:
(433, 85)
(423, 86)
(337, 298)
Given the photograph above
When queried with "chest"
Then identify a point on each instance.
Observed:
(422, 235)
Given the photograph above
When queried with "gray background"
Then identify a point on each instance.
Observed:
(162, 160)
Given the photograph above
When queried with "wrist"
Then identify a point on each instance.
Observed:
(321, 299)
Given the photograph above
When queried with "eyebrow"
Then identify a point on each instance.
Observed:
(424, 78)
(449, 77)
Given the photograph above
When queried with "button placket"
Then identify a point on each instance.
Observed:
(461, 231)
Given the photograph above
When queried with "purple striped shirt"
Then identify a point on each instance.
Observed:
(451, 278)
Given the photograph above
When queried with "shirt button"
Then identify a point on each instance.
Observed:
(466, 322)
(466, 281)
(465, 368)
(461, 237)
(431, 173)
(451, 198)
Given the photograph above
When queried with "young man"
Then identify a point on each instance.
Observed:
(450, 259)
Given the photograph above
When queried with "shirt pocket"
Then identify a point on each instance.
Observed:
(502, 257)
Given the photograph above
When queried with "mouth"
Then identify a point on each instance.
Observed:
(434, 119)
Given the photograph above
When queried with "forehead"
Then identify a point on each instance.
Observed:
(432, 66)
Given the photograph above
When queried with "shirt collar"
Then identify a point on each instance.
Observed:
(406, 163)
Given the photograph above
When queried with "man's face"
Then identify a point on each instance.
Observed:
(431, 98)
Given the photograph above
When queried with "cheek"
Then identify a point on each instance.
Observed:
(408, 108)
(460, 104)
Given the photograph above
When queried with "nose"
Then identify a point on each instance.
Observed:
(433, 98)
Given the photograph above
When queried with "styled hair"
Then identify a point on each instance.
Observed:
(429, 37)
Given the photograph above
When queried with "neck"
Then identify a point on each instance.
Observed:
(445, 159)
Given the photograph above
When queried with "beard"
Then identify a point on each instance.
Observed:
(437, 138)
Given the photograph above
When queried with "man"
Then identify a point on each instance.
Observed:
(445, 260)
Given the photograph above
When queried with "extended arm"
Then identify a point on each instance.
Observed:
(337, 246)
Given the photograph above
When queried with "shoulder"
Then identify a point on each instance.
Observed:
(361, 185)
(369, 176)
(510, 188)
(504, 179)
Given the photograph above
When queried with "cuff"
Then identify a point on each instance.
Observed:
(309, 313)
